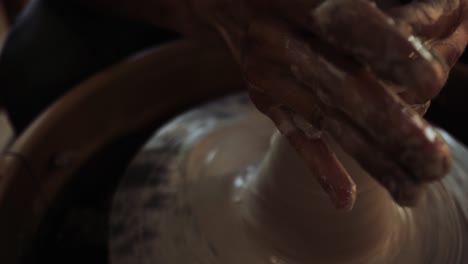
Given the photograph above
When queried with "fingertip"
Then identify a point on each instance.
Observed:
(440, 166)
(409, 195)
(449, 51)
(344, 199)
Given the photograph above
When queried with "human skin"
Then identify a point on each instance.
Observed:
(360, 72)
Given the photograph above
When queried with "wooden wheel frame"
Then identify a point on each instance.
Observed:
(123, 99)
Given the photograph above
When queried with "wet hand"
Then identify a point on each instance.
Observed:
(354, 71)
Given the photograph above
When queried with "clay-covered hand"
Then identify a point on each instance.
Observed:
(361, 72)
(358, 71)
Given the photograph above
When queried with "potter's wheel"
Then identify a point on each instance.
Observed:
(187, 198)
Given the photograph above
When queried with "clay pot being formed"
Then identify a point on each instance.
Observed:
(219, 184)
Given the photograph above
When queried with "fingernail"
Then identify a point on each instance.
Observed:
(346, 199)
(342, 197)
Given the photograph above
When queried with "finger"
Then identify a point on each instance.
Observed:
(381, 166)
(360, 29)
(429, 18)
(451, 48)
(321, 162)
(375, 109)
(442, 20)
(385, 169)
(408, 98)
(421, 109)
(260, 37)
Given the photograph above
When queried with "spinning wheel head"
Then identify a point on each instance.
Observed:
(202, 190)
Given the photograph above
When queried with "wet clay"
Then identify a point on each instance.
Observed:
(287, 204)
(220, 185)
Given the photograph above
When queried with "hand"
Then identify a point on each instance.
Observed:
(361, 73)
(351, 70)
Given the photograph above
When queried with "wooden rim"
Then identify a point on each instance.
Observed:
(116, 102)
